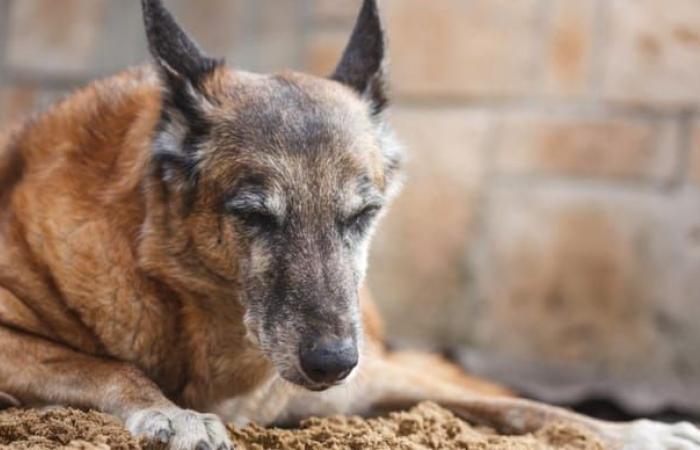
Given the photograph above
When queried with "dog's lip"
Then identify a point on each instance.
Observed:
(319, 388)
(299, 378)
(316, 387)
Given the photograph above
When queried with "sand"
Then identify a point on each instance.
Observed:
(427, 426)
(62, 428)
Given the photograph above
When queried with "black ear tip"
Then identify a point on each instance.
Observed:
(373, 12)
(373, 6)
(156, 19)
(151, 9)
(174, 51)
(370, 15)
(362, 66)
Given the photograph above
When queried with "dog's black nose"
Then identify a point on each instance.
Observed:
(328, 361)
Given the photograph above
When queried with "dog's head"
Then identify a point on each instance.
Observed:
(277, 181)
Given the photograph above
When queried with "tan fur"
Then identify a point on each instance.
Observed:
(82, 265)
(98, 310)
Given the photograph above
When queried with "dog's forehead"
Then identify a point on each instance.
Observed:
(297, 125)
(296, 112)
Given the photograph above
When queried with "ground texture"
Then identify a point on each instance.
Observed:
(427, 426)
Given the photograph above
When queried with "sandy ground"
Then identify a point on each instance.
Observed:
(427, 426)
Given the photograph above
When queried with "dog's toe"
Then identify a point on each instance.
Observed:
(688, 432)
(180, 429)
(649, 435)
(152, 424)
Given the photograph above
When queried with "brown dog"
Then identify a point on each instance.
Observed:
(188, 236)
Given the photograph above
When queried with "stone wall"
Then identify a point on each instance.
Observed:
(550, 223)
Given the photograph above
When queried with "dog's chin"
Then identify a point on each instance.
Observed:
(298, 379)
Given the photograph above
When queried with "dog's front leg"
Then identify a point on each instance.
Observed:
(386, 380)
(39, 372)
(521, 416)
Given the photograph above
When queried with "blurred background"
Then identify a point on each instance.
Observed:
(549, 232)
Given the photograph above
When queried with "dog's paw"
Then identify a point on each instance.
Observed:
(649, 435)
(180, 429)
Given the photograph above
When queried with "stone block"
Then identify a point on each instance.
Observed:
(614, 147)
(459, 49)
(569, 36)
(46, 36)
(597, 279)
(419, 256)
(695, 153)
(652, 52)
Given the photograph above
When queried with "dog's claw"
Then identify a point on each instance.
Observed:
(180, 429)
(164, 435)
(201, 445)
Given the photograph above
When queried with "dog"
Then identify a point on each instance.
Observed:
(184, 244)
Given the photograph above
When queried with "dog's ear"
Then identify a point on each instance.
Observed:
(177, 55)
(183, 70)
(363, 65)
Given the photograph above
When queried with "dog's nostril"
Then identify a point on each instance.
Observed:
(328, 361)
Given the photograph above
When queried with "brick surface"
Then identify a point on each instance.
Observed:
(257, 35)
(323, 50)
(279, 41)
(695, 152)
(418, 260)
(571, 272)
(568, 63)
(54, 37)
(122, 41)
(218, 26)
(453, 48)
(16, 102)
(336, 11)
(652, 51)
(611, 147)
(546, 261)
(4, 25)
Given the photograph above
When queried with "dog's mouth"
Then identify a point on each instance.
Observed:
(292, 366)
(299, 379)
(291, 371)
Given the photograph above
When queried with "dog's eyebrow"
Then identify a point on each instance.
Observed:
(249, 190)
(368, 191)
(367, 195)
(375, 200)
(256, 198)
(247, 199)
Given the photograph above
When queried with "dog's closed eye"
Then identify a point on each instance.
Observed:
(252, 210)
(359, 220)
(260, 219)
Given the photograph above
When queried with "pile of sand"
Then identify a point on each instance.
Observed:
(62, 428)
(426, 426)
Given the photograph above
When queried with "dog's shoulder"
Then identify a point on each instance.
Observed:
(87, 152)
(72, 179)
(92, 122)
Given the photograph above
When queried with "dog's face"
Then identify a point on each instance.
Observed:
(280, 179)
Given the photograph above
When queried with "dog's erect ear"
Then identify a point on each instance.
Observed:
(177, 55)
(183, 69)
(363, 65)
